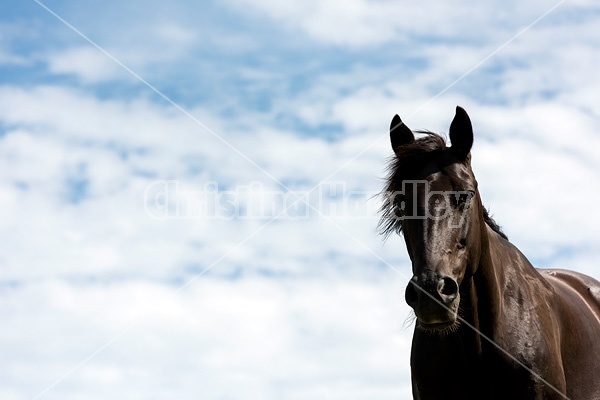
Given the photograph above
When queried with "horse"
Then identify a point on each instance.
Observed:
(488, 324)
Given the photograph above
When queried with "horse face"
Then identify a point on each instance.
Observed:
(439, 210)
(441, 232)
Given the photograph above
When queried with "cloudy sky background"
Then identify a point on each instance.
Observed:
(103, 294)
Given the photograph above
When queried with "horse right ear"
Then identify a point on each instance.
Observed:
(400, 134)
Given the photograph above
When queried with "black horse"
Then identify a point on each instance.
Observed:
(489, 325)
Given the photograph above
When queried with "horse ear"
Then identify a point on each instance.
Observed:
(400, 134)
(461, 133)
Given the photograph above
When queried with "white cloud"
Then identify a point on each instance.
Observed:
(7, 58)
(87, 63)
(256, 339)
(364, 23)
(175, 34)
(69, 132)
(12, 32)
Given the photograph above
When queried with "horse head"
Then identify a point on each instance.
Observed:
(432, 198)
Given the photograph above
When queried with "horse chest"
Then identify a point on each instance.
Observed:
(451, 368)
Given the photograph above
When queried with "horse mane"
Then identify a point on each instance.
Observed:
(405, 164)
(492, 223)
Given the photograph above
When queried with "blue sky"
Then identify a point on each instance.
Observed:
(101, 298)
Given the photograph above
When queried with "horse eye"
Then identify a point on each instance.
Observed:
(463, 198)
(462, 243)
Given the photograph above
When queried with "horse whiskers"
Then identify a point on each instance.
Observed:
(410, 319)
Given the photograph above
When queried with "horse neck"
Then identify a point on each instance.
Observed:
(494, 270)
(480, 312)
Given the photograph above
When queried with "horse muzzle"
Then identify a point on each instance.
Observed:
(435, 301)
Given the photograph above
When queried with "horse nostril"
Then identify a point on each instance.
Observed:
(447, 288)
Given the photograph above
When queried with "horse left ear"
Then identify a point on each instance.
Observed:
(461, 133)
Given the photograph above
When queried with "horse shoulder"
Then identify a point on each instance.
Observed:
(577, 302)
